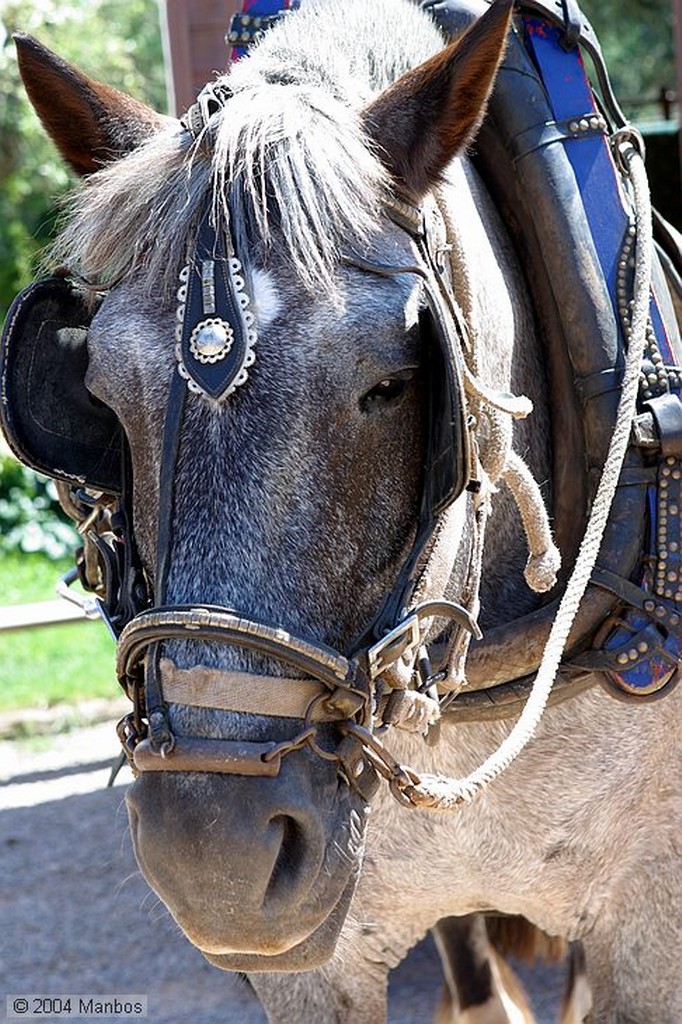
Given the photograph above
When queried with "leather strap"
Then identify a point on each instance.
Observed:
(573, 24)
(228, 757)
(246, 693)
(188, 622)
(169, 461)
(667, 413)
(547, 133)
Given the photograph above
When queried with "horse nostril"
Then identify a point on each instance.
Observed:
(294, 853)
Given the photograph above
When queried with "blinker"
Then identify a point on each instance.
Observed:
(47, 415)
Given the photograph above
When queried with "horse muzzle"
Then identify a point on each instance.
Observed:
(251, 867)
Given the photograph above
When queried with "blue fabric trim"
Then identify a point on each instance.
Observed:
(571, 99)
(260, 8)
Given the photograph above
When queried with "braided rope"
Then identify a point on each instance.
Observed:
(544, 559)
(437, 792)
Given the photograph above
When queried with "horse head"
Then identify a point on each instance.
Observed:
(290, 498)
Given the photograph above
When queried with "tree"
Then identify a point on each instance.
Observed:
(637, 40)
(119, 43)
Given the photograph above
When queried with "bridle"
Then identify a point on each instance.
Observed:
(358, 691)
(417, 642)
(392, 673)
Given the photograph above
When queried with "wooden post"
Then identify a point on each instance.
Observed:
(194, 46)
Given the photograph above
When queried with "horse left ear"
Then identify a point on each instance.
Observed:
(433, 112)
(90, 123)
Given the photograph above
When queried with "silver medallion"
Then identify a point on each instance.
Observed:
(211, 340)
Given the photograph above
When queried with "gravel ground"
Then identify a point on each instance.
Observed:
(78, 918)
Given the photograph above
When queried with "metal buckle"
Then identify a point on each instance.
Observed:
(620, 140)
(385, 652)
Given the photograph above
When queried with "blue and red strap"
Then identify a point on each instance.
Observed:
(254, 17)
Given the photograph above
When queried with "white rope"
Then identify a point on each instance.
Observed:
(439, 792)
(544, 559)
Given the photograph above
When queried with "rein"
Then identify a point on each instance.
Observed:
(441, 793)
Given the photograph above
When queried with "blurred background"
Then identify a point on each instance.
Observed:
(49, 676)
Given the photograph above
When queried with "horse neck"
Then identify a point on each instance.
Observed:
(490, 289)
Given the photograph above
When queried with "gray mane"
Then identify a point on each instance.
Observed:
(286, 159)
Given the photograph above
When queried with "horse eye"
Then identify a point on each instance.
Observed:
(386, 391)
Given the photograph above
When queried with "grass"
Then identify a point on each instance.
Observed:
(63, 664)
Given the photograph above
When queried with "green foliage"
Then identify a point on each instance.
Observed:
(30, 578)
(636, 37)
(118, 43)
(56, 665)
(31, 519)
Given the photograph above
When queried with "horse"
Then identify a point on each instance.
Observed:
(274, 508)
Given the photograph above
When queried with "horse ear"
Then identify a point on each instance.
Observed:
(433, 112)
(90, 123)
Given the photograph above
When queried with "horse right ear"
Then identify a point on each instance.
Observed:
(433, 112)
(91, 124)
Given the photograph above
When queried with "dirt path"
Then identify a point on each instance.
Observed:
(76, 916)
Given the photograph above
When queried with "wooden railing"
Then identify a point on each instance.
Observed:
(39, 613)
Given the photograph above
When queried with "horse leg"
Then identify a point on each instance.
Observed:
(518, 937)
(577, 1001)
(480, 986)
(633, 952)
